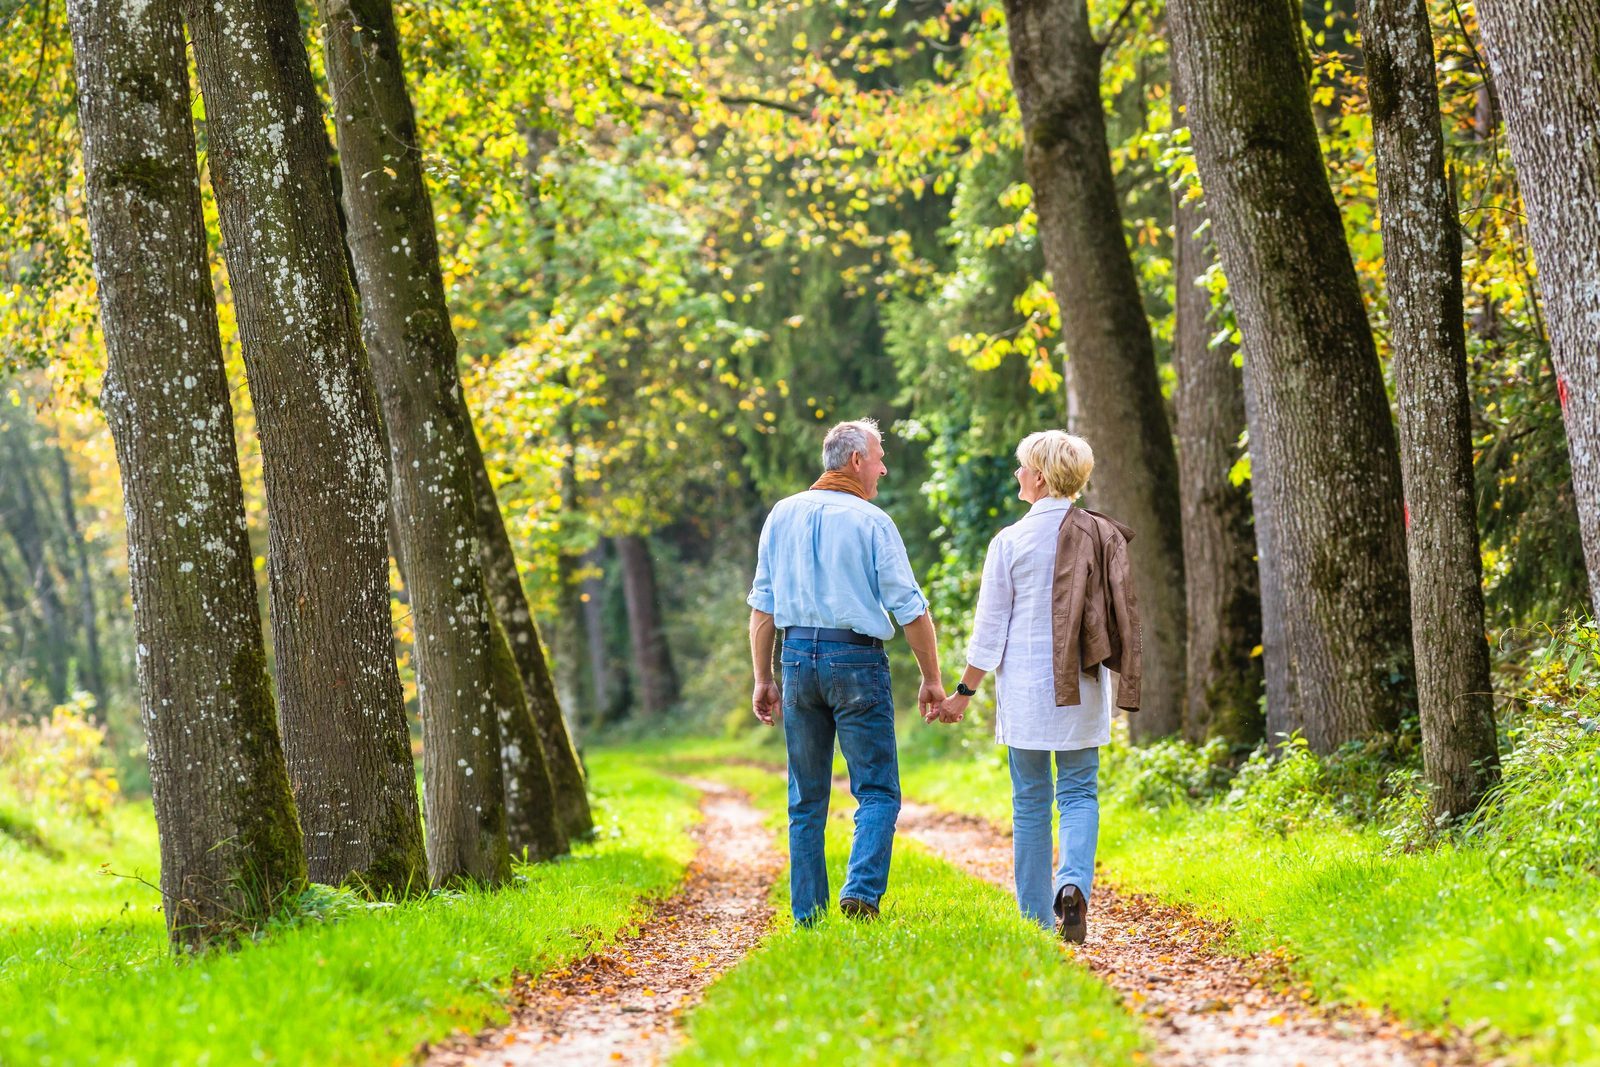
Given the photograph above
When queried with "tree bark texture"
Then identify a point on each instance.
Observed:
(412, 348)
(522, 634)
(1055, 67)
(1545, 55)
(1222, 696)
(1324, 461)
(1422, 264)
(230, 843)
(344, 724)
(533, 825)
(654, 673)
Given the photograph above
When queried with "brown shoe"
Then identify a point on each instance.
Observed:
(854, 908)
(1072, 915)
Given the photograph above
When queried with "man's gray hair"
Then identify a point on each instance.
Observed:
(847, 438)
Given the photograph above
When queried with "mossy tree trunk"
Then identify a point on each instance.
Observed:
(230, 842)
(412, 347)
(527, 650)
(1324, 461)
(1222, 695)
(1055, 67)
(655, 676)
(1545, 55)
(1422, 262)
(344, 724)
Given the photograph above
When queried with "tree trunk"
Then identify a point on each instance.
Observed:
(1055, 66)
(533, 825)
(609, 687)
(344, 723)
(1223, 593)
(230, 844)
(522, 633)
(1422, 262)
(654, 673)
(1545, 55)
(412, 347)
(1324, 462)
(20, 511)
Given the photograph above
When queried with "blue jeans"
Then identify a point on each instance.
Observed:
(832, 688)
(1076, 794)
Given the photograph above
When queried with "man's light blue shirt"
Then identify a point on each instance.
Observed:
(832, 559)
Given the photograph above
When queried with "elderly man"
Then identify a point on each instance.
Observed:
(830, 571)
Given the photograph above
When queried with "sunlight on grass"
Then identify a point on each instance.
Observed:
(950, 974)
(1435, 936)
(92, 982)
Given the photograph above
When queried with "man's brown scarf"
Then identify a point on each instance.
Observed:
(839, 482)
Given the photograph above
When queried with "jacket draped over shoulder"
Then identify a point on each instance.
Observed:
(1094, 614)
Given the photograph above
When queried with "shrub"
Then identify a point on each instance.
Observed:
(1169, 772)
(1542, 823)
(59, 765)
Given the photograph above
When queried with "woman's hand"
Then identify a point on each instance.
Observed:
(954, 708)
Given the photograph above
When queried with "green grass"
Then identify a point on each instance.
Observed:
(1438, 936)
(85, 977)
(950, 975)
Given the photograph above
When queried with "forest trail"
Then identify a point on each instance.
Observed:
(1204, 1008)
(622, 1004)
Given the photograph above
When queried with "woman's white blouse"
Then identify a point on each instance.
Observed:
(1012, 636)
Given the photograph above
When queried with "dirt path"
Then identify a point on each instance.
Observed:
(621, 1005)
(1204, 1007)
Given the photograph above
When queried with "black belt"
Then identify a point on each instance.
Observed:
(829, 633)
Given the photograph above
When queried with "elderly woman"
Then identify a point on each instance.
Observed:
(1055, 616)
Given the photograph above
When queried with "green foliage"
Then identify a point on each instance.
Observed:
(1165, 773)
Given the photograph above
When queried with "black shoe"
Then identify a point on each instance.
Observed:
(1072, 915)
(854, 908)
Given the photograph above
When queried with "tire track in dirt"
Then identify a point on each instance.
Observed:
(1204, 1007)
(622, 1005)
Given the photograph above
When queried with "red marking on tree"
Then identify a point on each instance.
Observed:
(1561, 391)
(1408, 515)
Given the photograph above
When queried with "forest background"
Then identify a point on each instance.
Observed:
(680, 241)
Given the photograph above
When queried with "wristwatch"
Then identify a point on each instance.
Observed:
(961, 689)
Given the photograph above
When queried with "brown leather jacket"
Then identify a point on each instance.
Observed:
(1094, 615)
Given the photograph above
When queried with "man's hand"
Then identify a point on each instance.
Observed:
(954, 708)
(765, 701)
(929, 698)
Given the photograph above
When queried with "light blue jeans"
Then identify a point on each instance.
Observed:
(1076, 791)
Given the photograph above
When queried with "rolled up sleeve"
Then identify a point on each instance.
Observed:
(761, 598)
(897, 586)
(992, 621)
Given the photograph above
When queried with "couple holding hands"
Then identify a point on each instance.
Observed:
(1056, 616)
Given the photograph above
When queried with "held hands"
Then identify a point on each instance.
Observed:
(954, 708)
(764, 700)
(929, 698)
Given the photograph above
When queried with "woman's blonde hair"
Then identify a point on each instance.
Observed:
(1062, 459)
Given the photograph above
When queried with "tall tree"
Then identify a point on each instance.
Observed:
(1545, 55)
(1324, 461)
(654, 673)
(413, 352)
(230, 844)
(1222, 695)
(1422, 261)
(527, 651)
(344, 725)
(1055, 67)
